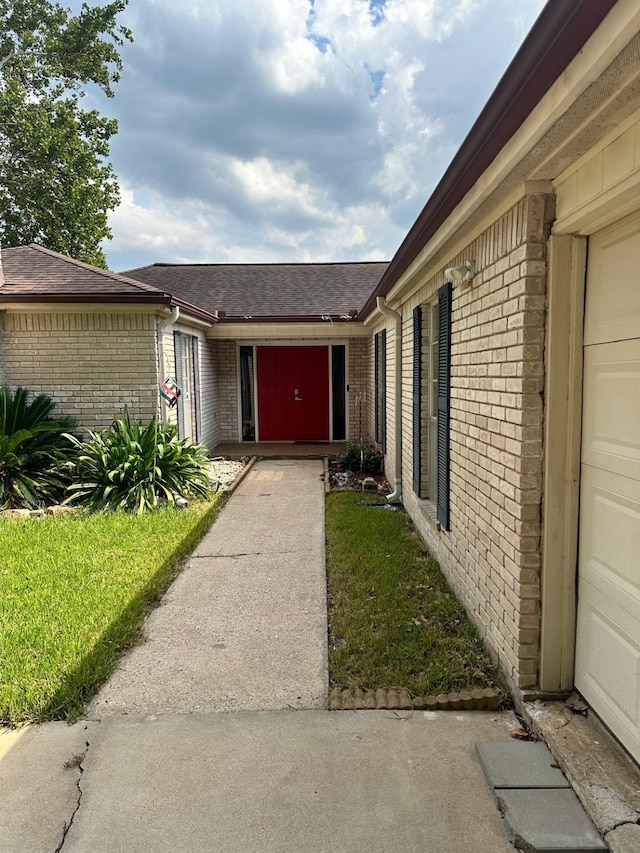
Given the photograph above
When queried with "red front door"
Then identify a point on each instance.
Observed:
(293, 393)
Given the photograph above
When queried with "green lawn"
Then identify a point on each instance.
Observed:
(73, 594)
(394, 620)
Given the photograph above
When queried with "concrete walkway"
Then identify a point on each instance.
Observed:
(157, 768)
(244, 627)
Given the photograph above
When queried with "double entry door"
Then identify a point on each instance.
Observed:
(293, 393)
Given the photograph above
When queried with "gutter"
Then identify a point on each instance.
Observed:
(222, 317)
(561, 31)
(98, 298)
(396, 494)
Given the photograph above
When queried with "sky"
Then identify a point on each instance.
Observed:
(255, 131)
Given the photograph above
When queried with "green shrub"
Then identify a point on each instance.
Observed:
(34, 450)
(134, 468)
(366, 458)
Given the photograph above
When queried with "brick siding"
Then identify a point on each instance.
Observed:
(359, 395)
(90, 364)
(491, 555)
(225, 365)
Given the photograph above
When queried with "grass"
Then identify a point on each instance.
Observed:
(74, 592)
(394, 620)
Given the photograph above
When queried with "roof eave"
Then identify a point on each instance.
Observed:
(97, 298)
(163, 299)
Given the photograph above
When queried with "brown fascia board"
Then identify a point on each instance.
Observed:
(109, 299)
(97, 298)
(193, 309)
(559, 33)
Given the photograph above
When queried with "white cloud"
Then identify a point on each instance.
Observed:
(291, 129)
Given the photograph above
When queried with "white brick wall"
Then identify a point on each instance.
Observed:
(91, 364)
(359, 397)
(208, 395)
(492, 552)
(225, 367)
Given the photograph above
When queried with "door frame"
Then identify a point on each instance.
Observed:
(564, 345)
(304, 342)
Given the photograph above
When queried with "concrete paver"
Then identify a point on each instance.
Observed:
(520, 765)
(548, 820)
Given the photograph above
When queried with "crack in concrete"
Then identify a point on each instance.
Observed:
(75, 761)
(618, 825)
(244, 554)
(225, 556)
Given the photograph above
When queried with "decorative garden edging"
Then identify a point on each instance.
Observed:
(390, 699)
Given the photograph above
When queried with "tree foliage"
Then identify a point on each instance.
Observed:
(56, 185)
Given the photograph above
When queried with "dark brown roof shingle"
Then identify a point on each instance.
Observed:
(268, 290)
(34, 270)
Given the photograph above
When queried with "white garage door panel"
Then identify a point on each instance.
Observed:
(613, 307)
(608, 663)
(610, 542)
(608, 619)
(611, 425)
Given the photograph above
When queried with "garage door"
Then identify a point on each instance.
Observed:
(293, 393)
(608, 631)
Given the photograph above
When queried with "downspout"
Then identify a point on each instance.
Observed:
(161, 326)
(396, 494)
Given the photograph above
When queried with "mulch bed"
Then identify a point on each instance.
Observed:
(340, 479)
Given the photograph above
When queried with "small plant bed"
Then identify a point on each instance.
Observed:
(394, 621)
(361, 468)
(74, 592)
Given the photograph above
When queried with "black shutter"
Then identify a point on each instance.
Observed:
(196, 387)
(177, 348)
(376, 385)
(417, 400)
(445, 295)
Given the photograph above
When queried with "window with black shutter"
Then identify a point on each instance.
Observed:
(431, 407)
(417, 400)
(380, 382)
(444, 401)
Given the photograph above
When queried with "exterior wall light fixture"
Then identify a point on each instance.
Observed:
(465, 272)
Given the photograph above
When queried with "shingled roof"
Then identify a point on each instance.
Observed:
(34, 274)
(35, 270)
(268, 291)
